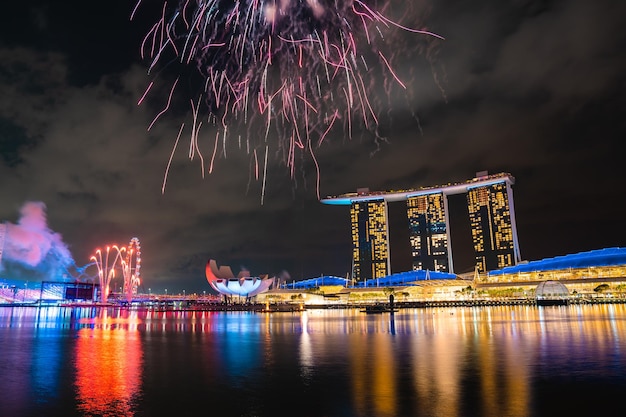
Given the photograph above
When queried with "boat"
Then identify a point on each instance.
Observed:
(378, 309)
(556, 301)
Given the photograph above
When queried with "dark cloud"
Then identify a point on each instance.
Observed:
(535, 88)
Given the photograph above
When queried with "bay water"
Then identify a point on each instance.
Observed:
(464, 361)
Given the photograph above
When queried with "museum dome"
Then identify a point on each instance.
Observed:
(224, 282)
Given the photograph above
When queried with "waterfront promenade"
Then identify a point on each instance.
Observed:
(191, 305)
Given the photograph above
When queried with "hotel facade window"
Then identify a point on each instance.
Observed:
(370, 239)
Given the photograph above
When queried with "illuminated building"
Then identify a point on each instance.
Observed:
(491, 217)
(370, 239)
(224, 282)
(428, 232)
(493, 227)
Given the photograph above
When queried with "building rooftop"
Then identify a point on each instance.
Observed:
(402, 278)
(594, 258)
(399, 195)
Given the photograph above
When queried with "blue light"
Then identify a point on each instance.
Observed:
(600, 257)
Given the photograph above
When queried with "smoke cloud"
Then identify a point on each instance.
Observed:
(31, 245)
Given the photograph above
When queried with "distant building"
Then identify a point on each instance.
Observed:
(493, 226)
(370, 239)
(428, 232)
(491, 216)
(224, 282)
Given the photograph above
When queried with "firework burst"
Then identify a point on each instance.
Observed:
(296, 68)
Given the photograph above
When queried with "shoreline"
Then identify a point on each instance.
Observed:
(297, 307)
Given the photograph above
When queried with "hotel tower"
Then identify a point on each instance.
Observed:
(491, 218)
(370, 239)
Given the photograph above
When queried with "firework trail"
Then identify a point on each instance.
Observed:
(300, 67)
(127, 259)
(106, 264)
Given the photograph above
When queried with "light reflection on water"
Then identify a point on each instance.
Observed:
(494, 361)
(108, 358)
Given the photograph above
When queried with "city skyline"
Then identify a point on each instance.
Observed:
(534, 89)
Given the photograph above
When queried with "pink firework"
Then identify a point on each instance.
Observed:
(301, 68)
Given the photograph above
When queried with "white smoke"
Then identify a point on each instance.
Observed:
(31, 243)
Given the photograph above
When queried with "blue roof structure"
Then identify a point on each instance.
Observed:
(406, 278)
(600, 257)
(594, 258)
(403, 278)
(316, 282)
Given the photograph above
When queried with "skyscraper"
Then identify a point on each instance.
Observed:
(428, 232)
(491, 217)
(495, 242)
(370, 239)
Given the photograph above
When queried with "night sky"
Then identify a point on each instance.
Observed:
(533, 88)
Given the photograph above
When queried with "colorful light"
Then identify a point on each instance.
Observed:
(106, 268)
(129, 259)
(224, 282)
(131, 267)
(288, 70)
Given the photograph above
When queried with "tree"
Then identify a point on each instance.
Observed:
(601, 288)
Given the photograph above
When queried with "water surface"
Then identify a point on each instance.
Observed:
(473, 361)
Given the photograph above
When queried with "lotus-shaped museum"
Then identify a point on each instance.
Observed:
(224, 282)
